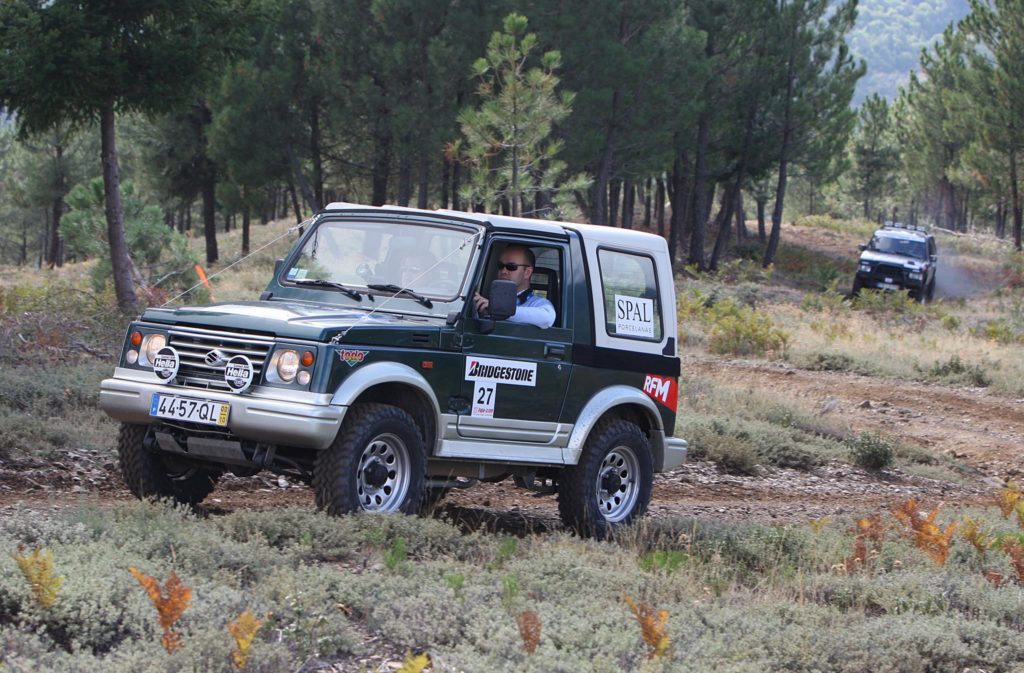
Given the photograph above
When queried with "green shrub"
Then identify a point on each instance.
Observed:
(831, 362)
(738, 330)
(956, 371)
(871, 451)
(739, 446)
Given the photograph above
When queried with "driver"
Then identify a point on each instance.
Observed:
(516, 264)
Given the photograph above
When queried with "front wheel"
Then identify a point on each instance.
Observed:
(611, 485)
(376, 463)
(151, 475)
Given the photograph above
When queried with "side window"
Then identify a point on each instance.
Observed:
(545, 276)
(630, 291)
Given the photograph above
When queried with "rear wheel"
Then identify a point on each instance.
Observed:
(611, 485)
(376, 463)
(150, 474)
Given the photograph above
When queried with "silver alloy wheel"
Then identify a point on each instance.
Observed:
(382, 480)
(617, 488)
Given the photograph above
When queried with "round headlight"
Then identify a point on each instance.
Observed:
(151, 343)
(287, 364)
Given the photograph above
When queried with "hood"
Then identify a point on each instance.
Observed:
(888, 258)
(295, 320)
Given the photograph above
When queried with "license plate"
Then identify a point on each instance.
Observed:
(889, 286)
(187, 409)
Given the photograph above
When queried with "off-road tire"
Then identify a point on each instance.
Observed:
(151, 476)
(611, 484)
(930, 292)
(376, 463)
(857, 287)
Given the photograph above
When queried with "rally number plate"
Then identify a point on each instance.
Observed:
(889, 286)
(186, 409)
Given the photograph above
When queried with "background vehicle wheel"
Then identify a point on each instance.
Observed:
(857, 287)
(151, 475)
(376, 463)
(611, 485)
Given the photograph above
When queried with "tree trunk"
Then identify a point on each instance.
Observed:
(381, 161)
(316, 155)
(722, 222)
(659, 205)
(648, 198)
(780, 190)
(698, 217)
(677, 193)
(599, 204)
(121, 261)
(299, 177)
(628, 203)
(446, 174)
(245, 227)
(295, 202)
(422, 200)
(404, 178)
(1015, 201)
(55, 256)
(209, 195)
(614, 188)
(456, 185)
(741, 219)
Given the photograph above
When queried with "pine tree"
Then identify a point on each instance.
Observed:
(509, 142)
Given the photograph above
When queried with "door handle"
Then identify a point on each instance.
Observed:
(554, 351)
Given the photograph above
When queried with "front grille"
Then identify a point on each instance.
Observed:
(194, 345)
(883, 271)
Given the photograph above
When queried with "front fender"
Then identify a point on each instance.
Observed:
(600, 404)
(379, 373)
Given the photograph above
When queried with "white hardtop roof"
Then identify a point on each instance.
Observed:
(591, 232)
(896, 232)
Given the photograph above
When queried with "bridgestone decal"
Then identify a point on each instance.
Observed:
(511, 372)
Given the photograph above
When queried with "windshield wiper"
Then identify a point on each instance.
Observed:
(395, 289)
(320, 282)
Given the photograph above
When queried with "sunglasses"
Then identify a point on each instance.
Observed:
(510, 266)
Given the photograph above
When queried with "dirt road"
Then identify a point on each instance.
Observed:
(982, 431)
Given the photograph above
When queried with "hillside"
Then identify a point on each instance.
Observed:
(889, 36)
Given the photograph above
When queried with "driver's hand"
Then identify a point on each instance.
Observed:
(481, 303)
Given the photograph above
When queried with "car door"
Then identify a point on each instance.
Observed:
(515, 376)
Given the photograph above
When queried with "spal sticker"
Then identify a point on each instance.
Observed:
(634, 317)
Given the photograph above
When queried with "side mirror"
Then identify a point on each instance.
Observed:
(862, 247)
(502, 299)
(934, 258)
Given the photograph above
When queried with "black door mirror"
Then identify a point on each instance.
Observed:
(862, 247)
(502, 299)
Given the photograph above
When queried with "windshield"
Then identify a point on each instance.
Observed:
(429, 260)
(900, 246)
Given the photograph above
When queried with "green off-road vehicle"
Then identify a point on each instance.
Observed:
(366, 369)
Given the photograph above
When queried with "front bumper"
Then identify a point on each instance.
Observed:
(876, 281)
(675, 452)
(292, 418)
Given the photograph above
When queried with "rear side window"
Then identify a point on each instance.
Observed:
(630, 292)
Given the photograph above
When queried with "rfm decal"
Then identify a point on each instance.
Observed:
(661, 388)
